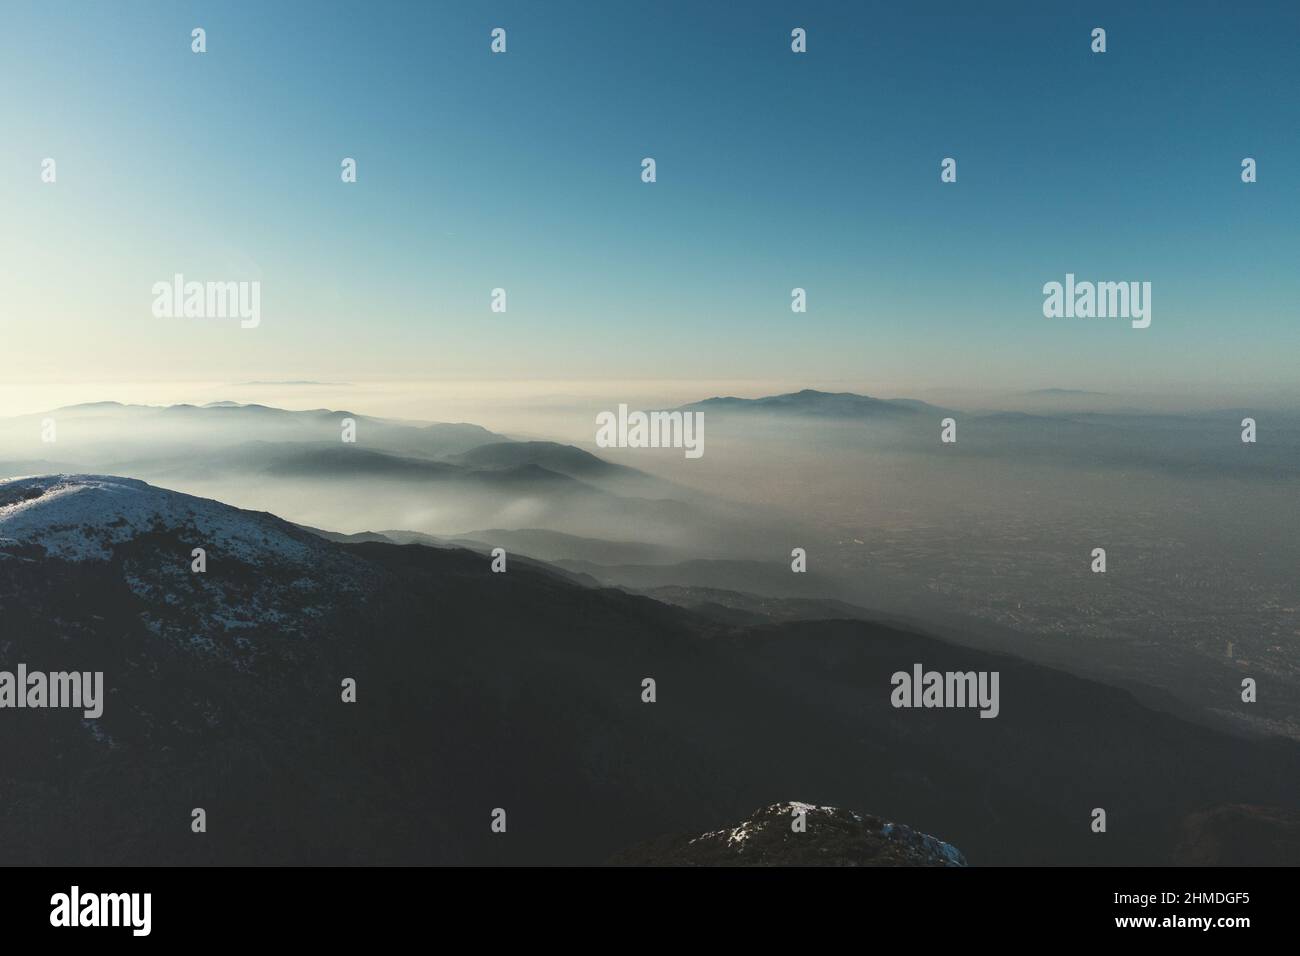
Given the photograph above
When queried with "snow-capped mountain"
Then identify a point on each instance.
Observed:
(204, 575)
(223, 688)
(828, 836)
(84, 517)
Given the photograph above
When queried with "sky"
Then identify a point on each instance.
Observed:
(775, 170)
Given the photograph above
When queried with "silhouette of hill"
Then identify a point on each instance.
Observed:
(815, 404)
(520, 691)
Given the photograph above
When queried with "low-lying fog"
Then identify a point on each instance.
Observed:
(989, 539)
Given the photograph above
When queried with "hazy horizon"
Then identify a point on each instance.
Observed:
(492, 402)
(984, 540)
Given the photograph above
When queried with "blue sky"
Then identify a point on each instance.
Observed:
(775, 170)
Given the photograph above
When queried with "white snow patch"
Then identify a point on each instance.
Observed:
(81, 518)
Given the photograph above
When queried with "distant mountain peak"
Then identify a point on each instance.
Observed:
(811, 402)
(85, 405)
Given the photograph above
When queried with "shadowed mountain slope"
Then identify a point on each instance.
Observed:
(519, 691)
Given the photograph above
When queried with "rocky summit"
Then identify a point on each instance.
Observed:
(830, 836)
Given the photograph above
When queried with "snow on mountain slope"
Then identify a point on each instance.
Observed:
(830, 837)
(130, 546)
(82, 518)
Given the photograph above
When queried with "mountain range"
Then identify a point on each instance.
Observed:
(520, 691)
(464, 476)
(812, 403)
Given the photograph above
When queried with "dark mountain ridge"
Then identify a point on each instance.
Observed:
(519, 691)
